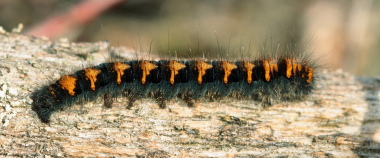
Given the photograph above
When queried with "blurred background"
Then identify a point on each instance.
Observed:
(342, 34)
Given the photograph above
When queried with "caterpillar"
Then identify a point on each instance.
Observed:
(285, 77)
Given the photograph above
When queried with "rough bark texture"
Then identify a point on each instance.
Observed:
(341, 119)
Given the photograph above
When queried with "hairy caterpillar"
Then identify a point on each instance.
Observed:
(284, 76)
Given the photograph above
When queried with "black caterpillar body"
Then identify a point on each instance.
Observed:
(282, 78)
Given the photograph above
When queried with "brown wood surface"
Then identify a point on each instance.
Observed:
(341, 119)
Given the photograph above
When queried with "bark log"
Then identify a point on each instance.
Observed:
(340, 119)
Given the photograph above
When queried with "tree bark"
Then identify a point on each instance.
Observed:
(340, 119)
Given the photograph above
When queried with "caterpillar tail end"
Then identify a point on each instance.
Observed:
(44, 114)
(44, 104)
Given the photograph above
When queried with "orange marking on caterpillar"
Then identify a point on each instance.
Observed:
(92, 74)
(310, 74)
(296, 67)
(249, 68)
(227, 67)
(175, 66)
(202, 67)
(53, 92)
(289, 67)
(120, 68)
(266, 70)
(68, 83)
(270, 67)
(146, 66)
(273, 66)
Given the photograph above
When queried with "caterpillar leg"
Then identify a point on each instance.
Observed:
(162, 103)
(191, 102)
(266, 102)
(131, 101)
(108, 100)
